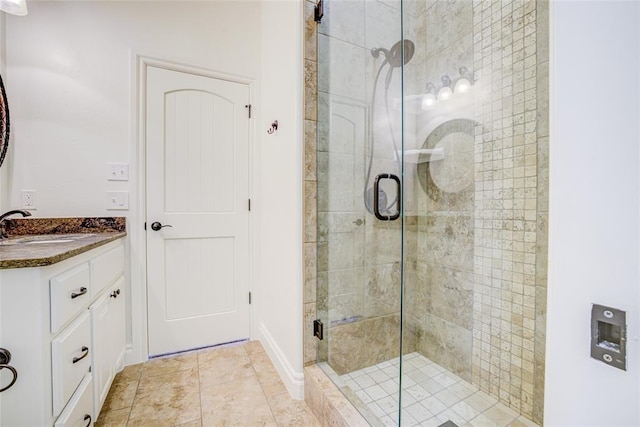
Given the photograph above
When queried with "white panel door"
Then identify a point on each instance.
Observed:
(197, 187)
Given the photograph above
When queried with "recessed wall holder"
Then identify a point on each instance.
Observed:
(273, 128)
(609, 336)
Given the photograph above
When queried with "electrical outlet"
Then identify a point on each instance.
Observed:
(117, 200)
(29, 200)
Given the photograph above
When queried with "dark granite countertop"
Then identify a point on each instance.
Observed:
(44, 241)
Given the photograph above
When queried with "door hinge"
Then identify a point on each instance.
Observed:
(249, 203)
(248, 107)
(249, 297)
(145, 225)
(318, 11)
(318, 329)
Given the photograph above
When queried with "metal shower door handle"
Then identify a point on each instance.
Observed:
(376, 202)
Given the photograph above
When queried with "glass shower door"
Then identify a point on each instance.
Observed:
(441, 124)
(360, 57)
(432, 195)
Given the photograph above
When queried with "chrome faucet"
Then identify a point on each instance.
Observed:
(5, 215)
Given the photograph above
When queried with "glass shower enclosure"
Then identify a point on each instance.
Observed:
(431, 204)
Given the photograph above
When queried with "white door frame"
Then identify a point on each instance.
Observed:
(139, 350)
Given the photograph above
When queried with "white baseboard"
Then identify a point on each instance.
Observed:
(294, 381)
(131, 357)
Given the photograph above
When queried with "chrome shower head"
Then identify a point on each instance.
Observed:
(394, 56)
(375, 51)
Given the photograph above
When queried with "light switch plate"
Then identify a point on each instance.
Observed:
(117, 171)
(117, 200)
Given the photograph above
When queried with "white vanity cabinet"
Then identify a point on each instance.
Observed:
(65, 327)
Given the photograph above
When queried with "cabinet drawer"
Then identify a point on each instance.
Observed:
(106, 268)
(79, 411)
(70, 293)
(70, 360)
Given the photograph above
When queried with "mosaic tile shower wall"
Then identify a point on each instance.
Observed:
(476, 292)
(510, 196)
(477, 297)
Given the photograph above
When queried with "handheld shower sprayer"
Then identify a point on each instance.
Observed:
(398, 55)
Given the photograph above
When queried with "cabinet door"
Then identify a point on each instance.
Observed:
(109, 340)
(102, 365)
(117, 319)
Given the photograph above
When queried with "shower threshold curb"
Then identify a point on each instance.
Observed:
(327, 402)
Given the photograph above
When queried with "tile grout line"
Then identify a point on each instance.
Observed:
(447, 388)
(255, 359)
(255, 372)
(135, 395)
(200, 391)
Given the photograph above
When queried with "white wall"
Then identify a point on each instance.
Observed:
(71, 75)
(594, 208)
(281, 190)
(72, 78)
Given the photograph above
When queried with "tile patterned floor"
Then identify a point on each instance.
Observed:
(432, 396)
(234, 385)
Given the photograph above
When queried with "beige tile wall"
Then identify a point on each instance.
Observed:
(438, 279)
(310, 183)
(327, 402)
(511, 193)
(542, 238)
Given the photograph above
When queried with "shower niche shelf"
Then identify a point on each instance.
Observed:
(457, 104)
(422, 155)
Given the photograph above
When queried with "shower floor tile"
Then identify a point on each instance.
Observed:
(432, 396)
